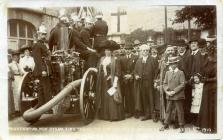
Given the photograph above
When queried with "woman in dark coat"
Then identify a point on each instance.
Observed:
(208, 112)
(110, 107)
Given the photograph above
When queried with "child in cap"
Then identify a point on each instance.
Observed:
(173, 85)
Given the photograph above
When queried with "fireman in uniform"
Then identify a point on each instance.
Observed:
(86, 34)
(59, 35)
(77, 43)
(100, 31)
(42, 69)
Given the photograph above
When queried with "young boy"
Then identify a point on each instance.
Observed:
(173, 85)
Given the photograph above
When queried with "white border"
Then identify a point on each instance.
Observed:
(71, 3)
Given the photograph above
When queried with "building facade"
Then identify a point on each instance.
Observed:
(23, 24)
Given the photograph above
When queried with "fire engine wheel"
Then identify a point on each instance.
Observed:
(88, 95)
(24, 89)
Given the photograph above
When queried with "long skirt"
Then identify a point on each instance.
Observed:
(16, 93)
(110, 110)
(11, 105)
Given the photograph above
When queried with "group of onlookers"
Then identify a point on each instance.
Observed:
(176, 87)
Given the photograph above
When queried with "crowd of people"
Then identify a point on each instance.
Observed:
(175, 87)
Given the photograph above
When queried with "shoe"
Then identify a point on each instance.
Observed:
(136, 115)
(176, 126)
(128, 115)
(145, 118)
(155, 120)
(182, 129)
(165, 127)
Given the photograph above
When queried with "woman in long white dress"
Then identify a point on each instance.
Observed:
(18, 72)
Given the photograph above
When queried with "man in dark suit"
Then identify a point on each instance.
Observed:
(100, 31)
(183, 53)
(127, 85)
(145, 71)
(42, 69)
(173, 85)
(194, 63)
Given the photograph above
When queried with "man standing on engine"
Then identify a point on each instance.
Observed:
(100, 31)
(59, 35)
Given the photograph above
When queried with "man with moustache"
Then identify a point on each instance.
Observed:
(193, 64)
(42, 69)
(144, 74)
(163, 68)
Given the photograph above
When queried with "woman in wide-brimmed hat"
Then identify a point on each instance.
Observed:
(110, 105)
(18, 72)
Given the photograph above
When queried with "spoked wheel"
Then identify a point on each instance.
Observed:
(88, 95)
(27, 93)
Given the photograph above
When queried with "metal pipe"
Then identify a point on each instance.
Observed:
(34, 114)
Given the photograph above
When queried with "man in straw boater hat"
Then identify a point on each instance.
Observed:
(59, 35)
(100, 31)
(144, 74)
(42, 69)
(127, 80)
(173, 85)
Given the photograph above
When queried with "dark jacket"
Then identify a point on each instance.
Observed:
(76, 41)
(182, 62)
(40, 55)
(59, 37)
(99, 31)
(174, 82)
(195, 64)
(85, 35)
(149, 71)
(128, 65)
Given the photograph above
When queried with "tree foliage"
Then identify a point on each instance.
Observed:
(139, 34)
(205, 16)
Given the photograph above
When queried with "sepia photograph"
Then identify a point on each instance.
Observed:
(113, 71)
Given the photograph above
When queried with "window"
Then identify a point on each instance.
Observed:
(22, 31)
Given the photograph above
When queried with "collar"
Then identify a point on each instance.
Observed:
(181, 54)
(129, 55)
(194, 52)
(154, 56)
(14, 62)
(176, 70)
(145, 57)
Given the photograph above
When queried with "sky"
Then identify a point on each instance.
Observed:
(152, 17)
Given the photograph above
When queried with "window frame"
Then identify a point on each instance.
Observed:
(26, 38)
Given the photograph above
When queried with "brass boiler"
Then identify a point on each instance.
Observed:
(66, 68)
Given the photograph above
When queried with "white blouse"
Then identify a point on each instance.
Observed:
(106, 61)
